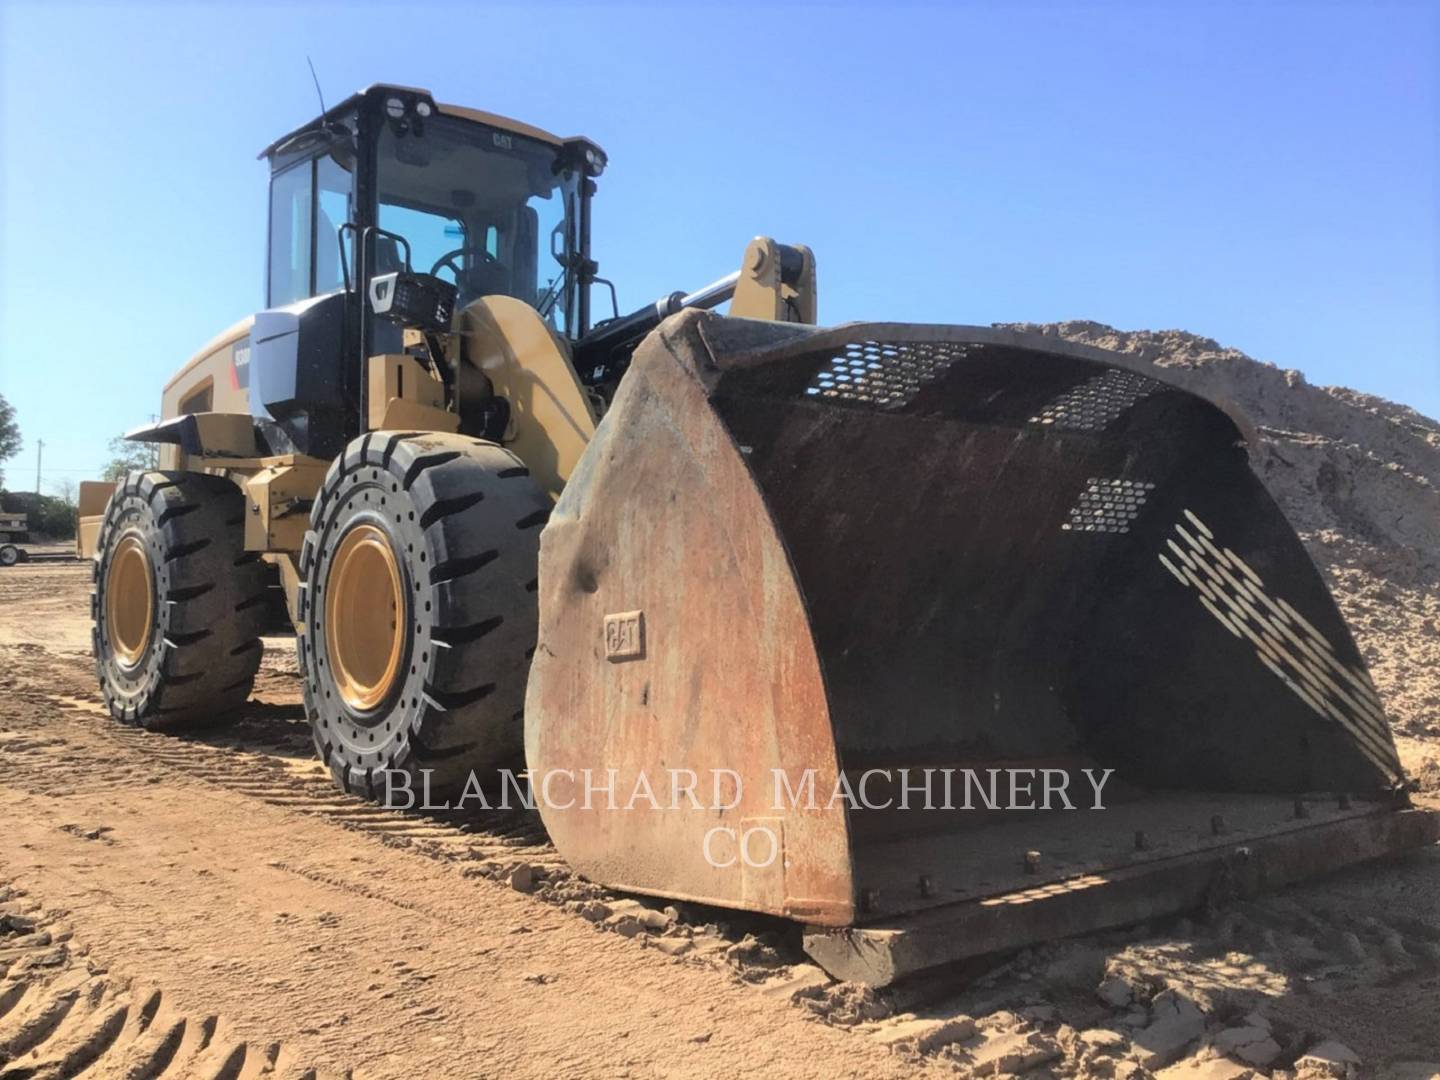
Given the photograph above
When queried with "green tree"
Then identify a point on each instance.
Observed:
(130, 457)
(10, 441)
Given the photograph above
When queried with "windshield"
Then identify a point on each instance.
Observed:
(482, 208)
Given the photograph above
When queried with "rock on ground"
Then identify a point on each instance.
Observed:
(1328, 1060)
(1175, 1022)
(1252, 1045)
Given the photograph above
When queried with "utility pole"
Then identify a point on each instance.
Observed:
(39, 448)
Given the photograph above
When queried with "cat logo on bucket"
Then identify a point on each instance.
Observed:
(625, 636)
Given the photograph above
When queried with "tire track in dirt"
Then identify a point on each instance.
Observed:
(508, 836)
(62, 1016)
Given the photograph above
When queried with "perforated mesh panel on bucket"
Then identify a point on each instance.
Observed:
(1096, 403)
(885, 374)
(1107, 506)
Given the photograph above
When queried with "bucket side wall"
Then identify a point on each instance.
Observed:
(673, 637)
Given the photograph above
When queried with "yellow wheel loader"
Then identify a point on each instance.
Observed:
(936, 639)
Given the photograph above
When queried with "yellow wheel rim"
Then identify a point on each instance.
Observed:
(364, 618)
(129, 601)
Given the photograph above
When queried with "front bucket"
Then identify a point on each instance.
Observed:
(798, 568)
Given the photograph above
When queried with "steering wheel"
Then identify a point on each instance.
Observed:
(451, 260)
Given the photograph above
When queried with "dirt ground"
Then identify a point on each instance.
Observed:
(220, 877)
(208, 905)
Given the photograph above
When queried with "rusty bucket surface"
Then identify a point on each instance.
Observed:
(797, 557)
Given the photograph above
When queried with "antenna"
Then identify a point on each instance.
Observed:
(318, 94)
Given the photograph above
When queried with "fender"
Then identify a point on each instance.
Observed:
(216, 435)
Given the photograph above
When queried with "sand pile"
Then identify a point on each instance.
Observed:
(1358, 477)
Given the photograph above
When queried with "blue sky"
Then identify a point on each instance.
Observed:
(1263, 174)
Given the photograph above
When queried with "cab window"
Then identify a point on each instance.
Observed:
(309, 202)
(497, 204)
(431, 236)
(290, 234)
(332, 210)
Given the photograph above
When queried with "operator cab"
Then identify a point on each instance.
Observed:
(390, 182)
(489, 204)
